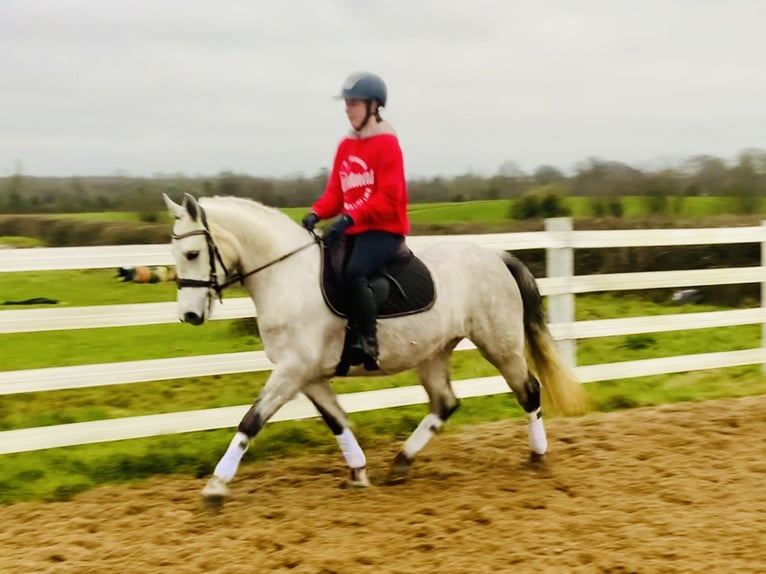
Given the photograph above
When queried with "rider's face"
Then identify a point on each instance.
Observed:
(356, 111)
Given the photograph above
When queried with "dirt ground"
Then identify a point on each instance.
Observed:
(673, 489)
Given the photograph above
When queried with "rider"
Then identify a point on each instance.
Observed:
(368, 191)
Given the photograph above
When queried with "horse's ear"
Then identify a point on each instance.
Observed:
(175, 210)
(190, 204)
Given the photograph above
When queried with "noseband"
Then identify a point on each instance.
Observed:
(215, 255)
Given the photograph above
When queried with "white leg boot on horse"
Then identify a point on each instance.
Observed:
(435, 378)
(281, 386)
(530, 343)
(513, 367)
(326, 402)
(538, 441)
(227, 467)
(355, 458)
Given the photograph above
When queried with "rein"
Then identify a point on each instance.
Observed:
(215, 255)
(241, 277)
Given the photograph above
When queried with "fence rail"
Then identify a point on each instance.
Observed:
(61, 258)
(32, 320)
(560, 285)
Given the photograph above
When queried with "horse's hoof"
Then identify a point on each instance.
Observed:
(213, 504)
(359, 478)
(536, 460)
(400, 468)
(215, 488)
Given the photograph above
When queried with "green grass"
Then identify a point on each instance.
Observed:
(498, 210)
(59, 473)
(77, 288)
(490, 211)
(102, 216)
(94, 403)
(19, 242)
(113, 344)
(681, 207)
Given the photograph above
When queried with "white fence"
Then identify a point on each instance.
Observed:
(560, 286)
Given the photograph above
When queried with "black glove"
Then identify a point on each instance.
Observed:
(310, 221)
(336, 230)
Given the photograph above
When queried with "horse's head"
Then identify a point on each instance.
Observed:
(200, 270)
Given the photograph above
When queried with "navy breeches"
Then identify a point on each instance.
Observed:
(370, 251)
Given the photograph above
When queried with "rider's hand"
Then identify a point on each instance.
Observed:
(310, 221)
(336, 230)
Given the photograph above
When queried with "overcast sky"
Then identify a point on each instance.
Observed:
(96, 87)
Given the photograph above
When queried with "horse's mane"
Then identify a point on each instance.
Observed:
(240, 212)
(238, 203)
(235, 206)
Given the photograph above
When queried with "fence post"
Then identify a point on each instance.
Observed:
(763, 296)
(560, 263)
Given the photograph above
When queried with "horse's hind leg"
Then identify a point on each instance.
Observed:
(434, 375)
(530, 402)
(513, 367)
(326, 402)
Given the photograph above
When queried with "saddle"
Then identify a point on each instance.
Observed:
(403, 287)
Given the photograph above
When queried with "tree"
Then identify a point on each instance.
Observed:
(606, 178)
(746, 187)
(709, 175)
(546, 201)
(15, 200)
(547, 174)
(510, 169)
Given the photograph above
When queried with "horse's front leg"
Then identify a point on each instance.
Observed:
(281, 386)
(326, 402)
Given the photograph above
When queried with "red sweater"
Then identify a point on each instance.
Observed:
(368, 183)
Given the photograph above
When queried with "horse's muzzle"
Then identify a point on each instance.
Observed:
(193, 318)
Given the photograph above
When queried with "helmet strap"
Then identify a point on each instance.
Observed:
(368, 104)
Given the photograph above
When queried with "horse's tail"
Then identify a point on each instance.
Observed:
(562, 392)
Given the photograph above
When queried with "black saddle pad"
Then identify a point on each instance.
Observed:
(410, 288)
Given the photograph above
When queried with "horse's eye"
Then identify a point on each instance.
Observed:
(192, 255)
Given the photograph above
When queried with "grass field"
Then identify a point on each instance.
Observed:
(18, 242)
(103, 216)
(497, 211)
(59, 473)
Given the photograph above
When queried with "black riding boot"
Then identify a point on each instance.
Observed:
(363, 348)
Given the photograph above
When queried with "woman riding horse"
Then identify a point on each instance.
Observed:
(368, 190)
(490, 298)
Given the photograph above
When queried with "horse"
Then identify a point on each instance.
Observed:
(490, 298)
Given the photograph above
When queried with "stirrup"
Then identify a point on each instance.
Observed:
(365, 351)
(371, 363)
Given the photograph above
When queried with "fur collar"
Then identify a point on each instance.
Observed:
(377, 129)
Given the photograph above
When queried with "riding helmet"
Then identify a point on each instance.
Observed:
(364, 86)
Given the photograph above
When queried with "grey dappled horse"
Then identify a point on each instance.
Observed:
(488, 297)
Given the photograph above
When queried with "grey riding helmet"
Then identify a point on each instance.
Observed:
(364, 86)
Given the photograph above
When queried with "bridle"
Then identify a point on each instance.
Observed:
(215, 255)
